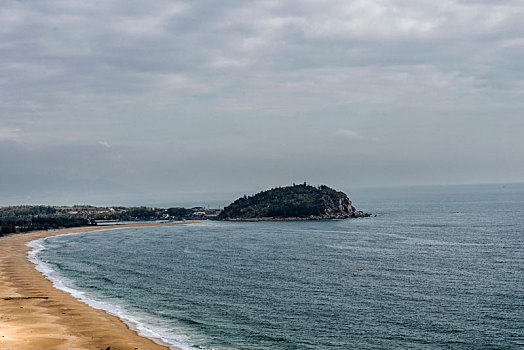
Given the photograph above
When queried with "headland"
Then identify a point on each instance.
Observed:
(289, 203)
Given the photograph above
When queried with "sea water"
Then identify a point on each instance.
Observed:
(436, 268)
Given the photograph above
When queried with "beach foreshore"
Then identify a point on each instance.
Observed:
(35, 315)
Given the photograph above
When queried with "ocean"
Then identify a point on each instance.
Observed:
(435, 268)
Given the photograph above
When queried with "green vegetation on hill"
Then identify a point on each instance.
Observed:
(292, 202)
(297, 201)
(28, 218)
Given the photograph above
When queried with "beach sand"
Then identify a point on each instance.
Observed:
(60, 321)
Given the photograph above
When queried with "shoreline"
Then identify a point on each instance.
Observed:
(61, 321)
(296, 218)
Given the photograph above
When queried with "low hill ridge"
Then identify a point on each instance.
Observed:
(297, 202)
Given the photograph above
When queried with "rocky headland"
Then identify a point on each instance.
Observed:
(297, 202)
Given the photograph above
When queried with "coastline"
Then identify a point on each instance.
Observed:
(296, 218)
(61, 321)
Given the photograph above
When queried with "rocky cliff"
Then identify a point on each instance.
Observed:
(297, 202)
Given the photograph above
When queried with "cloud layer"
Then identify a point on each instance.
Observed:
(219, 94)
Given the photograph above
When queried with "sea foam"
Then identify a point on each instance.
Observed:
(159, 336)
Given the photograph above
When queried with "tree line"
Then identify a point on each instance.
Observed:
(16, 219)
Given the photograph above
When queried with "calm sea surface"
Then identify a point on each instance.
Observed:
(437, 268)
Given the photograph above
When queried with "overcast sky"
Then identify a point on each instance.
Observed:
(130, 101)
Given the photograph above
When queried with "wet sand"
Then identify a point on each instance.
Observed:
(60, 322)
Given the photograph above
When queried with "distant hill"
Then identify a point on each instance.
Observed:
(297, 202)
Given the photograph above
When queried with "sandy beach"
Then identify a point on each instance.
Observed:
(54, 319)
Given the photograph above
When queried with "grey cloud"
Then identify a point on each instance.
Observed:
(210, 90)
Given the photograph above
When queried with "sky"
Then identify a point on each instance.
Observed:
(130, 102)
